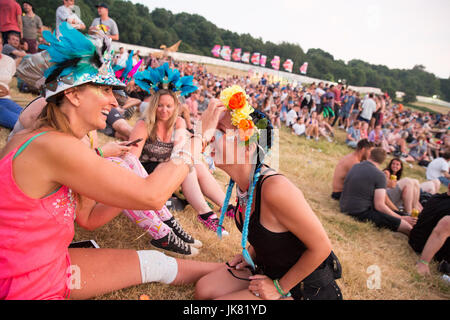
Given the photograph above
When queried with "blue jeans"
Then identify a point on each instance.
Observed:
(352, 144)
(444, 181)
(9, 113)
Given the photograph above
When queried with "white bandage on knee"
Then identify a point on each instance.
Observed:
(157, 267)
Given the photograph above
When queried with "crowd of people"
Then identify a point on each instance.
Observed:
(58, 130)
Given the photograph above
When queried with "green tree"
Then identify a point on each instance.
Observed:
(409, 96)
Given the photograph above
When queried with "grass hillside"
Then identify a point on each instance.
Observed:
(310, 166)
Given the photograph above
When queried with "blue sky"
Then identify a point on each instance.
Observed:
(395, 33)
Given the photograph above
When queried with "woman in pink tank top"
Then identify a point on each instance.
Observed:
(49, 178)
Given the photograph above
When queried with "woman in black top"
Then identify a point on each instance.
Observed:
(289, 255)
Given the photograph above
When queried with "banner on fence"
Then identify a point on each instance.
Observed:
(262, 61)
(304, 68)
(275, 62)
(236, 56)
(246, 57)
(287, 65)
(216, 51)
(225, 53)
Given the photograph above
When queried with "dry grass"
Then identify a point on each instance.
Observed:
(310, 166)
(434, 107)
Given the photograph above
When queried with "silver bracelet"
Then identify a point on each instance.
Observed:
(189, 162)
(185, 152)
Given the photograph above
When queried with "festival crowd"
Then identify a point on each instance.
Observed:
(171, 99)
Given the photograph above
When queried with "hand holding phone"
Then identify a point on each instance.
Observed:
(133, 142)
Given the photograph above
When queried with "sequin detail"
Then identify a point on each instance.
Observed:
(64, 207)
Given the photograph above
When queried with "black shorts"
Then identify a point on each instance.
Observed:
(363, 119)
(330, 292)
(381, 220)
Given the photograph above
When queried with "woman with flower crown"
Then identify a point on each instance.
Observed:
(289, 256)
(49, 178)
(161, 130)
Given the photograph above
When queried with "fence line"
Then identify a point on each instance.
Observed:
(282, 75)
(286, 76)
(433, 101)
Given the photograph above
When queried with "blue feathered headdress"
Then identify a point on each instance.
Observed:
(76, 59)
(152, 80)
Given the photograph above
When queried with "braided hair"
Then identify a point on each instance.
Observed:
(264, 144)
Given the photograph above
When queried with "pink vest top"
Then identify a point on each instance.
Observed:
(35, 235)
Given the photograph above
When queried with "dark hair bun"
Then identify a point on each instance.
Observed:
(266, 137)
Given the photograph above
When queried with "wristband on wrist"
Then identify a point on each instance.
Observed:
(99, 152)
(424, 262)
(280, 290)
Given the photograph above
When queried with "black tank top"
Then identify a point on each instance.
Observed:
(276, 252)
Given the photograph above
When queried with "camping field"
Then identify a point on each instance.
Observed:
(366, 253)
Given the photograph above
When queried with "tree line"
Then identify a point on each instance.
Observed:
(140, 26)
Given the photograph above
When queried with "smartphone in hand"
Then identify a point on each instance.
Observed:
(133, 142)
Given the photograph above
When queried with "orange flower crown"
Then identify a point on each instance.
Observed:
(236, 100)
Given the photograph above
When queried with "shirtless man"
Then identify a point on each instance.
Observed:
(361, 153)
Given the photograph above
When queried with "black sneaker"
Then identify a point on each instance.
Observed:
(172, 243)
(183, 235)
(211, 223)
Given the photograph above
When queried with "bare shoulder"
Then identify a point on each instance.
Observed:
(140, 127)
(140, 123)
(277, 186)
(54, 143)
(42, 142)
(349, 161)
(180, 123)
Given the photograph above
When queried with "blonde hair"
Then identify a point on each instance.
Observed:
(150, 114)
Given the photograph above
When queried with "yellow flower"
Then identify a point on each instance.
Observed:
(241, 114)
(227, 93)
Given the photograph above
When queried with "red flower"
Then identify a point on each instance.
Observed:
(237, 101)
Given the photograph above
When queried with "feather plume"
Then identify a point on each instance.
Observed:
(72, 50)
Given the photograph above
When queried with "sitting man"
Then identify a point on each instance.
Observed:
(299, 127)
(364, 195)
(439, 169)
(430, 236)
(13, 49)
(353, 134)
(116, 125)
(344, 165)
